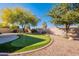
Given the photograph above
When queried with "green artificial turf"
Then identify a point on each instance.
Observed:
(25, 42)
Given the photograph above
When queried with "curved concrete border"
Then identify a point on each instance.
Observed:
(26, 52)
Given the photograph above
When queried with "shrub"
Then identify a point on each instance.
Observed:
(34, 31)
(14, 28)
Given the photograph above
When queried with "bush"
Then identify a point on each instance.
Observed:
(34, 31)
(15, 31)
(39, 31)
(14, 28)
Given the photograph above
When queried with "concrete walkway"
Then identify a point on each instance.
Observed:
(6, 37)
(60, 47)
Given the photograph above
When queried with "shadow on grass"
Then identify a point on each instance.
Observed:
(21, 42)
(36, 33)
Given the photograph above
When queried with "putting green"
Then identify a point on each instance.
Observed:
(25, 42)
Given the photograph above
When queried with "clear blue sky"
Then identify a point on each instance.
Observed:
(38, 9)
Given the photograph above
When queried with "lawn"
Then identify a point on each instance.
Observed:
(25, 42)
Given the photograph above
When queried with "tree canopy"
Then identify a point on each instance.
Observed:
(18, 16)
(65, 14)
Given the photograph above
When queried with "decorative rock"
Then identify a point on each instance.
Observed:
(73, 34)
(71, 38)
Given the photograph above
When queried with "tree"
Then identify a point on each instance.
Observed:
(44, 25)
(18, 16)
(7, 16)
(66, 15)
(25, 17)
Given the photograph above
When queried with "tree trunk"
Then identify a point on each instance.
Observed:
(23, 28)
(67, 29)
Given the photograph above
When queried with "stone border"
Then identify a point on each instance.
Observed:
(26, 52)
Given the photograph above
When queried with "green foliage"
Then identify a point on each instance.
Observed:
(13, 27)
(65, 14)
(18, 16)
(1, 25)
(44, 25)
(24, 17)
